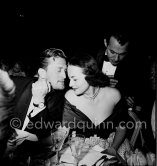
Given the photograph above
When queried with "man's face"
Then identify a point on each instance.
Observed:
(56, 72)
(115, 51)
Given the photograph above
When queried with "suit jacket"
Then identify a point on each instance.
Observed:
(46, 120)
(131, 73)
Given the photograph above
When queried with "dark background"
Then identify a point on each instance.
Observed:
(28, 29)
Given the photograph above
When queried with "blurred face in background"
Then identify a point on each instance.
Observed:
(17, 68)
(115, 51)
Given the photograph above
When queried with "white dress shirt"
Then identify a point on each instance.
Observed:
(108, 68)
(34, 112)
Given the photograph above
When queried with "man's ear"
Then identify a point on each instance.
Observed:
(42, 73)
(105, 42)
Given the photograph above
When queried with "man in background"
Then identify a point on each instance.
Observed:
(125, 67)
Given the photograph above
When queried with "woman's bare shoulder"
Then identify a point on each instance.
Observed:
(112, 93)
(70, 96)
(69, 93)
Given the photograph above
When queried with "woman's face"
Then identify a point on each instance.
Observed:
(77, 80)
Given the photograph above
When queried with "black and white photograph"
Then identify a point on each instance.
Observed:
(77, 84)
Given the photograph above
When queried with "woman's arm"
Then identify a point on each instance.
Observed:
(7, 94)
(119, 122)
(119, 137)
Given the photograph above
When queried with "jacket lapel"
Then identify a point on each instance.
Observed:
(23, 104)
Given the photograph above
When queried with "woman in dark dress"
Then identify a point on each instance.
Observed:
(91, 106)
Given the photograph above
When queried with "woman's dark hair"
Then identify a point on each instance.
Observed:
(94, 76)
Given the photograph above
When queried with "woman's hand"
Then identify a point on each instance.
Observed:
(110, 151)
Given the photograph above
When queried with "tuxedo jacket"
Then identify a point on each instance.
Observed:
(132, 75)
(46, 120)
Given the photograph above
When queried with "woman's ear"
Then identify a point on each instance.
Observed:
(42, 73)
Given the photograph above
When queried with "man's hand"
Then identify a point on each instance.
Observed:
(130, 101)
(113, 82)
(21, 136)
(40, 89)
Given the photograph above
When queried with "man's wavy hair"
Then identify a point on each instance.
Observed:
(48, 53)
(121, 36)
(94, 76)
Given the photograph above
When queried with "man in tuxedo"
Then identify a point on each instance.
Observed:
(38, 110)
(125, 66)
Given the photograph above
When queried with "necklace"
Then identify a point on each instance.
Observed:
(94, 95)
